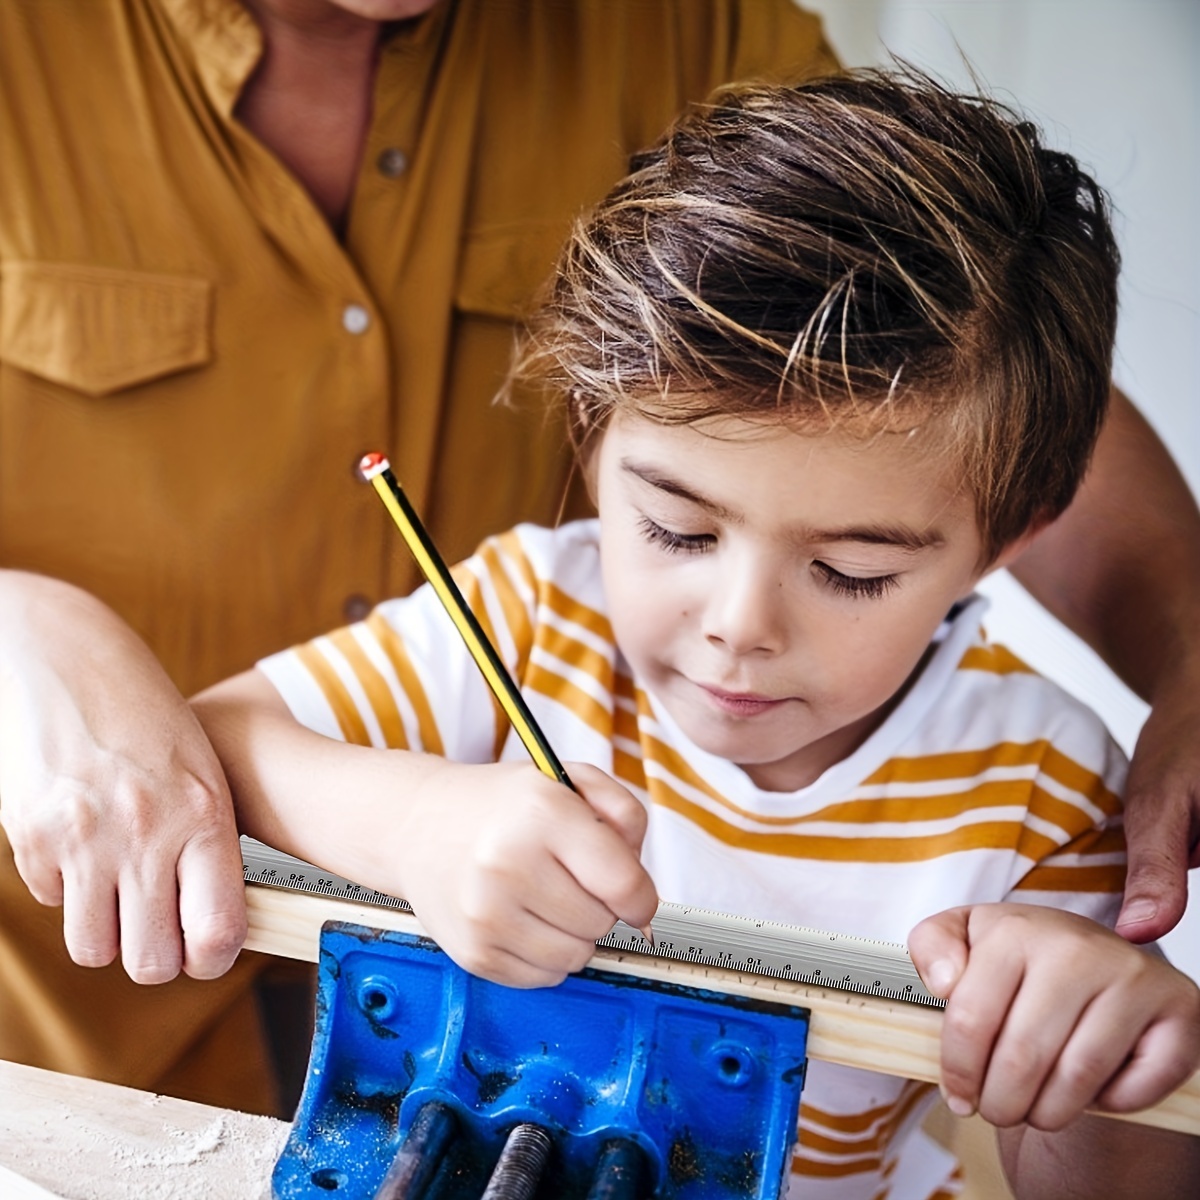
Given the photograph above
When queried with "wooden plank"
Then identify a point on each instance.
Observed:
(80, 1139)
(18, 1187)
(888, 1036)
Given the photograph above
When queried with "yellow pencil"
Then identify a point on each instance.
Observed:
(376, 470)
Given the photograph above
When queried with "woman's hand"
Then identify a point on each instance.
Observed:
(110, 794)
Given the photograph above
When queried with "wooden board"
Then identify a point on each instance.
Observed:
(857, 1031)
(78, 1139)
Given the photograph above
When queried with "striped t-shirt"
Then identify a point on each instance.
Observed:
(985, 782)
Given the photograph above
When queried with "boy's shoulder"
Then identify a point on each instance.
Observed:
(992, 697)
(566, 557)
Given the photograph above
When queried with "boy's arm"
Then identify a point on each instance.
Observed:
(1097, 1156)
(1122, 569)
(512, 873)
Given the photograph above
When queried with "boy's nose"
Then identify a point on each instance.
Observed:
(745, 611)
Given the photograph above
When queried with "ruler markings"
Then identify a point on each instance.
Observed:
(681, 932)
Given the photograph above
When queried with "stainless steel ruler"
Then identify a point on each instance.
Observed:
(696, 935)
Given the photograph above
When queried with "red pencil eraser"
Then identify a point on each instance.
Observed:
(372, 464)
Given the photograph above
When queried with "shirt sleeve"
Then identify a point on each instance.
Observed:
(1073, 838)
(403, 677)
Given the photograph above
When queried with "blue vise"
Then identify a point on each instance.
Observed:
(428, 1083)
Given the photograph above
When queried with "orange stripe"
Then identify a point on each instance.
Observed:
(555, 687)
(1108, 879)
(336, 695)
(1007, 793)
(998, 660)
(392, 645)
(872, 1144)
(572, 609)
(629, 769)
(379, 695)
(514, 609)
(855, 1122)
(986, 835)
(576, 654)
(892, 809)
(835, 1170)
(468, 584)
(1071, 820)
(510, 545)
(968, 764)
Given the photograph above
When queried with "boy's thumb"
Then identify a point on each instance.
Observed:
(938, 947)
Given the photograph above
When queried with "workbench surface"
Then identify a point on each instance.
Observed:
(82, 1140)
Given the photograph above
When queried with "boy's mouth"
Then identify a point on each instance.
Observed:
(740, 704)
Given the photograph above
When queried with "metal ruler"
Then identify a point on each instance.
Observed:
(681, 932)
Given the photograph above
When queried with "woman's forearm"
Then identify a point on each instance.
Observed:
(1121, 567)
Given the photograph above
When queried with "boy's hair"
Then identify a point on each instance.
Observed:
(870, 252)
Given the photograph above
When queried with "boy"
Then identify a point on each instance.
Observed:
(830, 354)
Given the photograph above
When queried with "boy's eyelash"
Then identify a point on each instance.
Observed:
(668, 539)
(869, 588)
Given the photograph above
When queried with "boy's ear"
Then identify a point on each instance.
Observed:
(587, 458)
(1015, 548)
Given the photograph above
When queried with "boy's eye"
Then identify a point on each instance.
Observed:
(668, 539)
(872, 587)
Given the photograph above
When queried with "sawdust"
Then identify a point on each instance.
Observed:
(230, 1156)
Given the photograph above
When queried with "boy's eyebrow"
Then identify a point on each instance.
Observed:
(659, 479)
(874, 534)
(882, 535)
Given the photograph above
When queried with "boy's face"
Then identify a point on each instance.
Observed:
(775, 590)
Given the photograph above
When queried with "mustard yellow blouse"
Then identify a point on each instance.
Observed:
(191, 362)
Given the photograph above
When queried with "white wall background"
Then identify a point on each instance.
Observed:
(1116, 83)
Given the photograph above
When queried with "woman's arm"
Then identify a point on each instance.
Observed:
(1122, 569)
(112, 798)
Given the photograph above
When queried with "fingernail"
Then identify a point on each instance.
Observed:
(958, 1106)
(941, 975)
(1137, 912)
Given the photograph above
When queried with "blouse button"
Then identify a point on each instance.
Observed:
(392, 163)
(355, 318)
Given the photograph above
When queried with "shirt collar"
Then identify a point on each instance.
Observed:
(221, 40)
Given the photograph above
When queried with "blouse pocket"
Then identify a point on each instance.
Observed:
(100, 330)
(503, 268)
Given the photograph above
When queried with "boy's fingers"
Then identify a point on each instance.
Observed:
(1090, 1057)
(525, 952)
(212, 907)
(605, 866)
(1161, 1062)
(611, 802)
(1044, 1067)
(975, 1017)
(938, 947)
(563, 904)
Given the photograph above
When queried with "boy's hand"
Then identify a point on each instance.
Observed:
(1049, 1013)
(515, 875)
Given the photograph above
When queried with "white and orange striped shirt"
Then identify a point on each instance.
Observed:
(986, 782)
